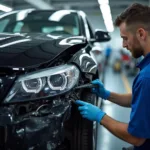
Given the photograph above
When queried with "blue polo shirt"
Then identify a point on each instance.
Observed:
(139, 125)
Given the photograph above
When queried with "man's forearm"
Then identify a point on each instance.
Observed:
(119, 129)
(121, 99)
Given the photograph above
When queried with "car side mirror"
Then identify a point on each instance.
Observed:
(102, 36)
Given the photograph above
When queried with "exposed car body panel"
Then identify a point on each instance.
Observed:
(28, 131)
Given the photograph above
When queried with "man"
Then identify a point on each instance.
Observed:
(134, 25)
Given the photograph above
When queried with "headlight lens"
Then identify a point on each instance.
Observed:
(57, 82)
(32, 86)
(44, 83)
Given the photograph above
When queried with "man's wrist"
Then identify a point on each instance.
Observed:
(100, 116)
(107, 94)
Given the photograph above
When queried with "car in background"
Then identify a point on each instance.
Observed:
(44, 55)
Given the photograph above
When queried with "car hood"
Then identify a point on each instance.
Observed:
(26, 50)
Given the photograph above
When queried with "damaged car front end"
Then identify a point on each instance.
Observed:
(35, 115)
(38, 74)
(36, 98)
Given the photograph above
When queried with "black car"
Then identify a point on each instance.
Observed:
(44, 55)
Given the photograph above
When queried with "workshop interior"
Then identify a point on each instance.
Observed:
(51, 51)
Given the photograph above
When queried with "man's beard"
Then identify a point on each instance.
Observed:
(137, 50)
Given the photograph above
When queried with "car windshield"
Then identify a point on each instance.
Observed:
(28, 21)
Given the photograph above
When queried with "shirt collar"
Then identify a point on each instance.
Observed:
(144, 62)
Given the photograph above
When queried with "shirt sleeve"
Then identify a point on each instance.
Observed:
(139, 124)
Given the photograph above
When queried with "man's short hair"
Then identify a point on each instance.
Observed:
(136, 14)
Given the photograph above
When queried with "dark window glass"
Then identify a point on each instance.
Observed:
(53, 22)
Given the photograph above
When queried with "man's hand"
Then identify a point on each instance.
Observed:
(90, 111)
(100, 91)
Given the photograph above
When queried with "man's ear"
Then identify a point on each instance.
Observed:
(141, 34)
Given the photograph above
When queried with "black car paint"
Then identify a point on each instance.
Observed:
(34, 129)
(36, 51)
(30, 51)
(85, 61)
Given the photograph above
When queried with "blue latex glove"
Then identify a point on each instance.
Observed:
(100, 91)
(89, 111)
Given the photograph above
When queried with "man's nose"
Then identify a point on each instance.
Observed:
(124, 44)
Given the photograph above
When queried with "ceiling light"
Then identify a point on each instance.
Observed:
(109, 26)
(5, 8)
(105, 9)
(101, 2)
(106, 13)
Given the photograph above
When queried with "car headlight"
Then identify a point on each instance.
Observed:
(44, 83)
